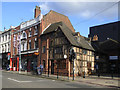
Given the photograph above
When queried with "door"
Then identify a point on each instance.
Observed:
(89, 67)
(52, 66)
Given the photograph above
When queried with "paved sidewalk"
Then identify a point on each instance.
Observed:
(103, 81)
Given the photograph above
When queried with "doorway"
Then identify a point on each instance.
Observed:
(52, 66)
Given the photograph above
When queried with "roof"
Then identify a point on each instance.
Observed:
(105, 24)
(108, 44)
(69, 34)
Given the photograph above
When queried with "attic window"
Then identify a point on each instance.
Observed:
(77, 38)
(84, 52)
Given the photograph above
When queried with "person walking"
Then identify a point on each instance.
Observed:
(41, 68)
(38, 70)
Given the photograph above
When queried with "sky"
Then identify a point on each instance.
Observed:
(81, 14)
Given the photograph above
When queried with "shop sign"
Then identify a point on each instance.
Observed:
(36, 53)
(113, 57)
(14, 41)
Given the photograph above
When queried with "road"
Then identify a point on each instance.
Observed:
(10, 80)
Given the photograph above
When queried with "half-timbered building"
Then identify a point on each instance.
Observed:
(56, 41)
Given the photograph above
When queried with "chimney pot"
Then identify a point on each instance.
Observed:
(37, 11)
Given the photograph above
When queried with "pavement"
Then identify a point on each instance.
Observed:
(101, 81)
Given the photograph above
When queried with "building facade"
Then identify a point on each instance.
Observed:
(5, 45)
(56, 42)
(106, 42)
(25, 41)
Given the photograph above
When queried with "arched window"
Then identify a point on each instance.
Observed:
(24, 35)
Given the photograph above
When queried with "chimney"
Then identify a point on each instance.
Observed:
(37, 11)
(95, 38)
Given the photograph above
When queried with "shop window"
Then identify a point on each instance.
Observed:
(43, 49)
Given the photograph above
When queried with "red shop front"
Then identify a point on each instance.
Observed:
(14, 64)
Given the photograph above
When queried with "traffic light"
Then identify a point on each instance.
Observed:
(72, 55)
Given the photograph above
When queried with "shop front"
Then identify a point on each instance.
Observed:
(29, 62)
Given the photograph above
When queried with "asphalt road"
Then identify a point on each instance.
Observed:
(10, 80)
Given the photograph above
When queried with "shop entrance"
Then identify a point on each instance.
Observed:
(52, 66)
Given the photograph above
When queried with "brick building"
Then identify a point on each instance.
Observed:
(25, 41)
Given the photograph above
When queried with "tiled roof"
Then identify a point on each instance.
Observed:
(70, 35)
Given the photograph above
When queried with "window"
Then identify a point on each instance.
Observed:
(5, 48)
(30, 33)
(24, 35)
(23, 47)
(9, 36)
(36, 30)
(3, 38)
(2, 48)
(43, 49)
(85, 52)
(29, 45)
(36, 43)
(8, 47)
(6, 37)
(58, 50)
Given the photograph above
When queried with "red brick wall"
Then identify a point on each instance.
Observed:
(53, 17)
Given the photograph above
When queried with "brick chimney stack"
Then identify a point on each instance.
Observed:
(37, 11)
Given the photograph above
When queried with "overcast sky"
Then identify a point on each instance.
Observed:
(81, 14)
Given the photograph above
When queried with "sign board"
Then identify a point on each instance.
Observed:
(36, 53)
(113, 57)
(14, 41)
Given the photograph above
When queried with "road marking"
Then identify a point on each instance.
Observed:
(53, 80)
(13, 80)
(18, 81)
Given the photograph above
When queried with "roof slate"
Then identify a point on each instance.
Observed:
(70, 35)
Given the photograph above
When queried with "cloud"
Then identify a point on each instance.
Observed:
(82, 9)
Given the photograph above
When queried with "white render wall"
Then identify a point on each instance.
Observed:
(5, 38)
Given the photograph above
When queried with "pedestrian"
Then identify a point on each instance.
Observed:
(38, 70)
(41, 68)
